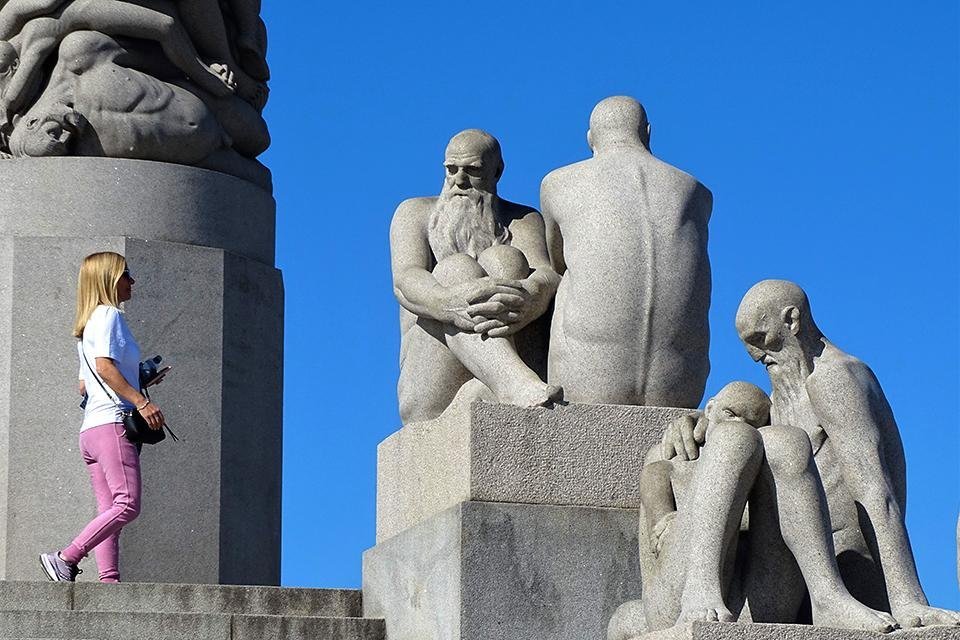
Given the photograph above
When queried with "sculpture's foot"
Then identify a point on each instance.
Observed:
(921, 615)
(534, 394)
(701, 612)
(844, 612)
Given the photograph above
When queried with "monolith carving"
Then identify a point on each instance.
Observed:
(470, 271)
(628, 233)
(180, 82)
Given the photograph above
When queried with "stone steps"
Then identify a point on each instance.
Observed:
(141, 611)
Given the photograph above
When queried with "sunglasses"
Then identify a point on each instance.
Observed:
(126, 272)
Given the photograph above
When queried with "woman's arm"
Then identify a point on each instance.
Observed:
(108, 371)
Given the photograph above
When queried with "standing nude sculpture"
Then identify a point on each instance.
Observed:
(694, 490)
(628, 233)
(96, 105)
(838, 403)
(470, 270)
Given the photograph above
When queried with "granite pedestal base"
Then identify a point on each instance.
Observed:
(501, 522)
(499, 571)
(211, 503)
(583, 455)
(753, 631)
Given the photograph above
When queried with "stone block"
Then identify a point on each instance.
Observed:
(75, 197)
(209, 499)
(582, 455)
(754, 631)
(492, 571)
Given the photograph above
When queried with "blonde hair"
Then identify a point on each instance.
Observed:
(96, 285)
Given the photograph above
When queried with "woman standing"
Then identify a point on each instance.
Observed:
(108, 355)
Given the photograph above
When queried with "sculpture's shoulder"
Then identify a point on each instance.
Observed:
(565, 176)
(682, 181)
(415, 207)
(837, 372)
(513, 211)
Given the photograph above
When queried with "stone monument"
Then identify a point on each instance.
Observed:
(134, 127)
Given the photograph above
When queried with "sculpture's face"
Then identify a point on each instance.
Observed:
(45, 133)
(739, 402)
(468, 172)
(764, 336)
(9, 61)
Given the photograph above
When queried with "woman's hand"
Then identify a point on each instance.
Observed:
(152, 414)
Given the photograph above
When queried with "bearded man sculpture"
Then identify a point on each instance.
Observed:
(836, 399)
(470, 270)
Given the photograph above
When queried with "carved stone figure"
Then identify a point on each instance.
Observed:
(838, 403)
(96, 106)
(470, 270)
(697, 565)
(213, 54)
(628, 233)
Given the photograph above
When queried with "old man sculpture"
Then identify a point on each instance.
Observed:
(470, 270)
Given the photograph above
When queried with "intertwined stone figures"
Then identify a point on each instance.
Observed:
(180, 82)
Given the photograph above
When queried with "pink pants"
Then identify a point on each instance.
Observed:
(114, 466)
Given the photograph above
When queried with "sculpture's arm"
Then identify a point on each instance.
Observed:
(413, 283)
(38, 39)
(552, 233)
(840, 395)
(16, 13)
(529, 237)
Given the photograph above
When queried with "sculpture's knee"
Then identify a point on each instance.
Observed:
(504, 261)
(735, 439)
(787, 449)
(457, 269)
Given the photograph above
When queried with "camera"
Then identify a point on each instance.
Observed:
(148, 370)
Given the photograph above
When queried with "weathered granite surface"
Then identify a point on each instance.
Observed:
(498, 571)
(585, 455)
(753, 631)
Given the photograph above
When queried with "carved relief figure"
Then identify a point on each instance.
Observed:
(628, 233)
(212, 52)
(470, 270)
(95, 105)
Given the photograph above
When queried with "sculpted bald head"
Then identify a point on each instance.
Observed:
(476, 148)
(772, 312)
(740, 401)
(618, 120)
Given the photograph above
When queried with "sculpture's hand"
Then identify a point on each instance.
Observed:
(684, 436)
(503, 314)
(660, 531)
(459, 302)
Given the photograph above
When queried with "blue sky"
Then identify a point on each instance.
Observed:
(828, 133)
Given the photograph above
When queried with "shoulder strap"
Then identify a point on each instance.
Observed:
(97, 377)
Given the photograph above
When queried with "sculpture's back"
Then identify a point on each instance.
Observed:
(630, 324)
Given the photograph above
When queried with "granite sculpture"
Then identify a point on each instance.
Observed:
(470, 270)
(697, 566)
(180, 82)
(837, 402)
(628, 233)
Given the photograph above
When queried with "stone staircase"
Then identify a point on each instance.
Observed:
(141, 611)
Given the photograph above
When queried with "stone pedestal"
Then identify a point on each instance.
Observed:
(208, 299)
(754, 631)
(500, 522)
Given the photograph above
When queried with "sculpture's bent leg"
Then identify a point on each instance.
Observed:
(790, 489)
(494, 361)
(725, 473)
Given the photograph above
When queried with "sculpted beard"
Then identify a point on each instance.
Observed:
(788, 386)
(465, 224)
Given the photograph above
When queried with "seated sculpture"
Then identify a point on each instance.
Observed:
(97, 105)
(470, 270)
(838, 403)
(694, 490)
(628, 233)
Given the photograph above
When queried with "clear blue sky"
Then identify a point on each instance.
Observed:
(828, 133)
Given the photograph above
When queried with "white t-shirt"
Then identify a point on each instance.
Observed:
(107, 336)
